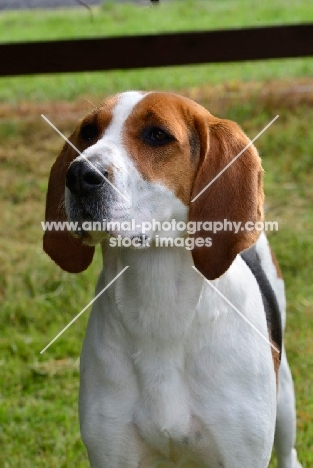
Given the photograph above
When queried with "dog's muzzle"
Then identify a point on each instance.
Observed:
(84, 177)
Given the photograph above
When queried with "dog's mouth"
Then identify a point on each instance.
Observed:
(91, 231)
(94, 221)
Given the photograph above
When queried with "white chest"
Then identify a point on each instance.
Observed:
(177, 376)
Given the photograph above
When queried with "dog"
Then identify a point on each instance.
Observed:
(183, 362)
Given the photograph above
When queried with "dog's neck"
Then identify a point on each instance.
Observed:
(159, 292)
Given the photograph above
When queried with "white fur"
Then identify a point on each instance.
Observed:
(169, 371)
(165, 359)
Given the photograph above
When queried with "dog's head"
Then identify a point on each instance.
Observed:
(146, 156)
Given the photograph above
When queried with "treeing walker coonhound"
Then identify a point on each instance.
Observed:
(171, 374)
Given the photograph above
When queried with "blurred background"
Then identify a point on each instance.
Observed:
(38, 393)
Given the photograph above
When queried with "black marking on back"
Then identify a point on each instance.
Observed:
(271, 307)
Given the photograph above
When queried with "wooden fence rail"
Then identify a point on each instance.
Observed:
(111, 53)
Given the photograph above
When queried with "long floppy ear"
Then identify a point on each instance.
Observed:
(236, 195)
(67, 252)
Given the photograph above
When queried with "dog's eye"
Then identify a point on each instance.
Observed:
(157, 136)
(89, 132)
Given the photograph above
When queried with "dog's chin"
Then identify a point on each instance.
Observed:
(93, 238)
(133, 241)
(90, 238)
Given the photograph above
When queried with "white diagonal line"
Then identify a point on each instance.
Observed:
(60, 133)
(77, 150)
(237, 310)
(235, 158)
(85, 308)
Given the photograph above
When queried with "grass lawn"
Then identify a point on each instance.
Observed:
(121, 19)
(38, 393)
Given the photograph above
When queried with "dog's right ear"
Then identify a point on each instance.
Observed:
(67, 251)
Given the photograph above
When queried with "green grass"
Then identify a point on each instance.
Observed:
(120, 19)
(127, 19)
(38, 416)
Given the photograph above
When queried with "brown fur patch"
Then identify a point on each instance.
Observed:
(175, 163)
(276, 361)
(276, 264)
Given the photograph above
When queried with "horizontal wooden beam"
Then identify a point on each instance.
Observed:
(161, 50)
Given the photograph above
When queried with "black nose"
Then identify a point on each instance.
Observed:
(82, 177)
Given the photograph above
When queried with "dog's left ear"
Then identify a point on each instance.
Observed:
(236, 195)
(67, 251)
